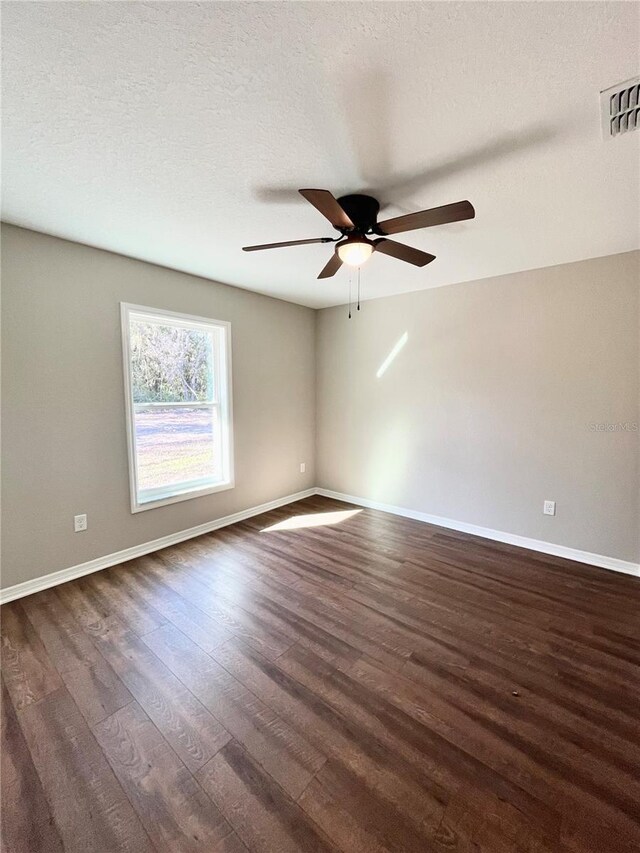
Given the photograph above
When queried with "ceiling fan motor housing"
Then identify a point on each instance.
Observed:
(362, 210)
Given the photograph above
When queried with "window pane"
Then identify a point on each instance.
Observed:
(176, 445)
(179, 405)
(170, 363)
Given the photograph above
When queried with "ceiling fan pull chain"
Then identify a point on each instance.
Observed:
(358, 288)
(349, 294)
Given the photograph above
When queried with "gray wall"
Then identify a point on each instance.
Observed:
(486, 411)
(64, 442)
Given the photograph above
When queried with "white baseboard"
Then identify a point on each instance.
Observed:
(497, 535)
(19, 590)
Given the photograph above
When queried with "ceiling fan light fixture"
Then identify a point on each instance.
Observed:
(354, 251)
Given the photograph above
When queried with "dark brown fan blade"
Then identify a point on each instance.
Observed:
(455, 212)
(404, 253)
(332, 267)
(289, 243)
(328, 206)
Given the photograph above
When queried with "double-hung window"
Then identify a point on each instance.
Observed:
(177, 376)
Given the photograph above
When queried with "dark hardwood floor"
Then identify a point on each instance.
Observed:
(374, 685)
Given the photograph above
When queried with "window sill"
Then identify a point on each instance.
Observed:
(181, 496)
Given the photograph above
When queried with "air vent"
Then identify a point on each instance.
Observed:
(620, 108)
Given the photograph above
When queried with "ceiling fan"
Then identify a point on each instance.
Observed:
(356, 216)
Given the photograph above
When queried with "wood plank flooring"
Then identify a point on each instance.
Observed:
(372, 685)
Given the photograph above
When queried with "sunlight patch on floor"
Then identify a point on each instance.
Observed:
(318, 519)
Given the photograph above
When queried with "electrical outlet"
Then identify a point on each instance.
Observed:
(549, 508)
(303, 467)
(79, 523)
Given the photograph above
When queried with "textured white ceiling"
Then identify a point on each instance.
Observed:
(179, 132)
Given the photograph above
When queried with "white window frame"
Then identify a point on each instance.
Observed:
(224, 404)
